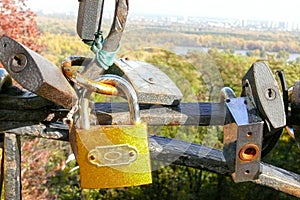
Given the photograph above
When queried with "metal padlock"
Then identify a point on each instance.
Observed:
(111, 156)
(35, 73)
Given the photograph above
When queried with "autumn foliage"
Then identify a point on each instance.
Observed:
(18, 21)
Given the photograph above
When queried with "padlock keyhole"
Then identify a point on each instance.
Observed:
(270, 94)
(18, 63)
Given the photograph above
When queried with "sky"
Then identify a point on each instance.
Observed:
(286, 10)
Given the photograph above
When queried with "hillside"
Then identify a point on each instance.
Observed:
(140, 34)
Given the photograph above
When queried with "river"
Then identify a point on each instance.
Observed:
(182, 50)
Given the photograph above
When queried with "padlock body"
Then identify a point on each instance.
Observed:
(112, 156)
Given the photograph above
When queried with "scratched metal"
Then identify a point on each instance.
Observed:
(266, 94)
(88, 18)
(152, 85)
(36, 73)
(195, 156)
(5, 79)
(111, 42)
(12, 167)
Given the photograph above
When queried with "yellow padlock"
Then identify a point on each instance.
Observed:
(111, 156)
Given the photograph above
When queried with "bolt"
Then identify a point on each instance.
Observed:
(249, 134)
(92, 157)
(131, 154)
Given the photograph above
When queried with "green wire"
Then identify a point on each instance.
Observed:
(104, 58)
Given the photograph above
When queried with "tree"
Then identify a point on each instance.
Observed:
(283, 55)
(18, 22)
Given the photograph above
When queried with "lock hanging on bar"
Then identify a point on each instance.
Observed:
(111, 156)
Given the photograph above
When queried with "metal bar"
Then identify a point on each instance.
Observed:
(198, 113)
(162, 149)
(12, 168)
(279, 179)
(51, 131)
(1, 165)
(15, 98)
(172, 151)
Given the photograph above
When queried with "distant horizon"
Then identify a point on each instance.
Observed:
(230, 9)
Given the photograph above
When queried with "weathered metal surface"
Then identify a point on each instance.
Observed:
(243, 152)
(36, 73)
(23, 115)
(110, 44)
(202, 114)
(5, 79)
(20, 108)
(238, 110)
(161, 148)
(89, 20)
(264, 103)
(242, 142)
(1, 165)
(14, 98)
(295, 111)
(199, 113)
(266, 94)
(151, 84)
(53, 131)
(169, 150)
(89, 13)
(295, 98)
(279, 179)
(226, 93)
(12, 167)
(113, 39)
(27, 109)
(172, 151)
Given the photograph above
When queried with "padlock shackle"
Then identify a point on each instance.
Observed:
(115, 81)
(75, 77)
(108, 84)
(127, 89)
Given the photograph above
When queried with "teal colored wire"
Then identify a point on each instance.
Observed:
(104, 58)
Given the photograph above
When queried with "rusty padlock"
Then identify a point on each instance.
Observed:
(35, 73)
(111, 156)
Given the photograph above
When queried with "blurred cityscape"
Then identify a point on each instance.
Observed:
(194, 23)
(197, 23)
